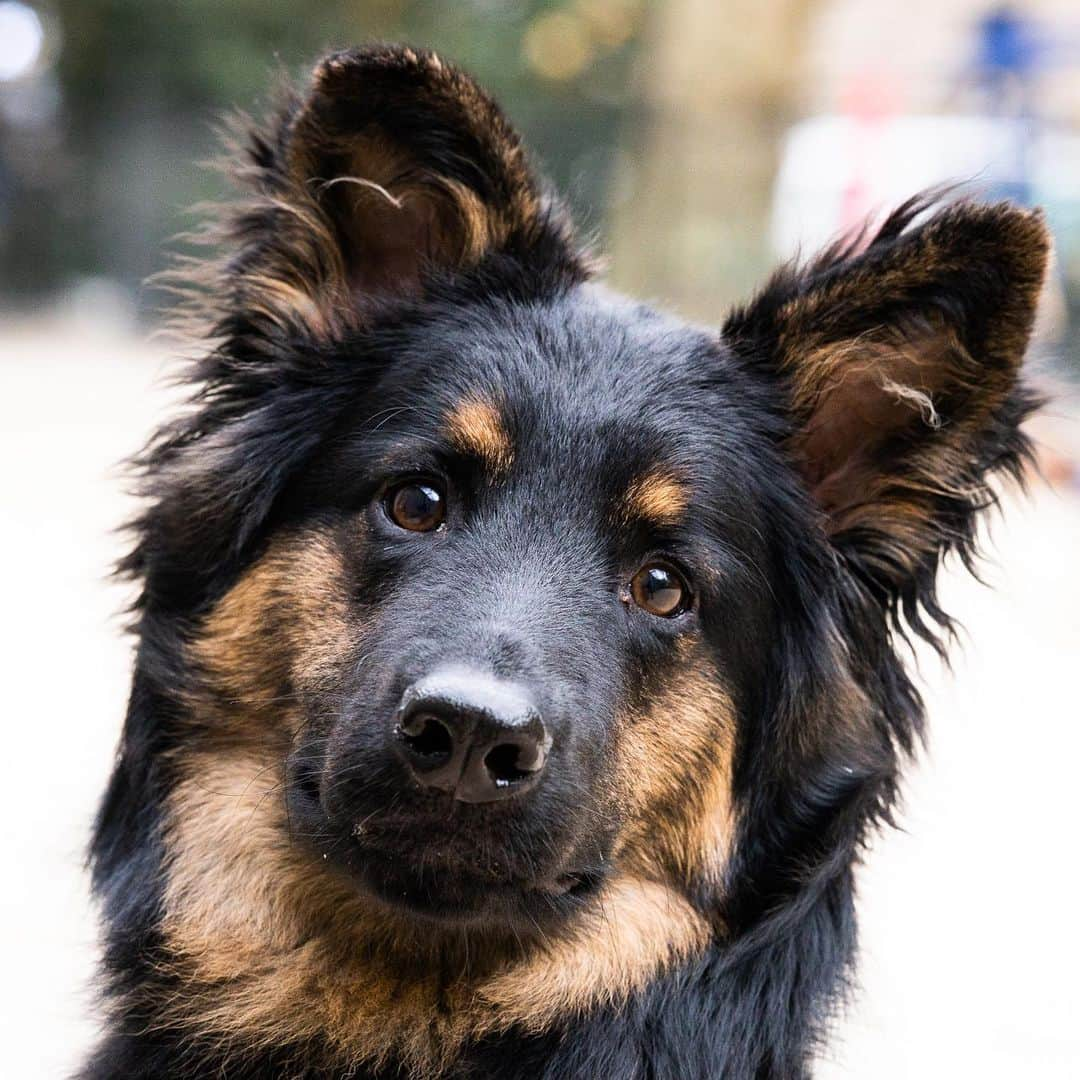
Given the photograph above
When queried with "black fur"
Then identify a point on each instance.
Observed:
(285, 425)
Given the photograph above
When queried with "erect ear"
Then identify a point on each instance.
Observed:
(393, 164)
(899, 362)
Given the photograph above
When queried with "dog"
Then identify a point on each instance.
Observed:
(518, 676)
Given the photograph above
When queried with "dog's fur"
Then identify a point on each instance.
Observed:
(400, 296)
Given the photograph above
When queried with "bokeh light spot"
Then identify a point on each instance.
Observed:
(21, 39)
(557, 46)
(610, 22)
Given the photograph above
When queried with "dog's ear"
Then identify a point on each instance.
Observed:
(392, 165)
(393, 172)
(898, 360)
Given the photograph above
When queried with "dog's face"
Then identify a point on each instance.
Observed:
(539, 537)
(511, 611)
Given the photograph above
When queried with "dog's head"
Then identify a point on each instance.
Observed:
(503, 599)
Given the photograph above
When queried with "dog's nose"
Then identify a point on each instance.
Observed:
(469, 733)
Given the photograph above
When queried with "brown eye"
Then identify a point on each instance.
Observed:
(659, 590)
(416, 506)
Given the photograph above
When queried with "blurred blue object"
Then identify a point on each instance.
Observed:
(1008, 45)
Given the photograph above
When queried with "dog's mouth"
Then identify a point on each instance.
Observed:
(459, 866)
(453, 871)
(450, 888)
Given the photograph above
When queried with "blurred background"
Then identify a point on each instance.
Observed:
(700, 141)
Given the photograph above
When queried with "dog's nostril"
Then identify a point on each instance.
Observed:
(509, 763)
(427, 736)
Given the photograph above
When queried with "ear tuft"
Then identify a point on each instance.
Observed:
(413, 162)
(392, 169)
(898, 362)
(978, 268)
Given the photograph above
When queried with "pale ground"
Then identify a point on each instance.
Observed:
(969, 916)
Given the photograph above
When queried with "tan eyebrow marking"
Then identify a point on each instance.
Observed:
(658, 496)
(476, 427)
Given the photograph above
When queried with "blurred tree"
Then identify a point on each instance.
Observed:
(718, 92)
(96, 186)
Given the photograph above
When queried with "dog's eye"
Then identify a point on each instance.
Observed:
(417, 506)
(659, 590)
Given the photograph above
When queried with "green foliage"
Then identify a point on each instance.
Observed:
(142, 83)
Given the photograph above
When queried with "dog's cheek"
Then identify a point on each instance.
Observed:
(284, 631)
(674, 765)
(280, 635)
(243, 903)
(268, 949)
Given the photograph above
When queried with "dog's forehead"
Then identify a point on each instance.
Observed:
(587, 376)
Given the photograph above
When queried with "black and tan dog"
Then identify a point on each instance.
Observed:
(517, 678)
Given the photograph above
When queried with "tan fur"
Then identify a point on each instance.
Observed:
(271, 945)
(348, 214)
(675, 766)
(1015, 240)
(277, 300)
(637, 929)
(854, 396)
(283, 628)
(476, 428)
(853, 393)
(857, 395)
(658, 497)
(387, 211)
